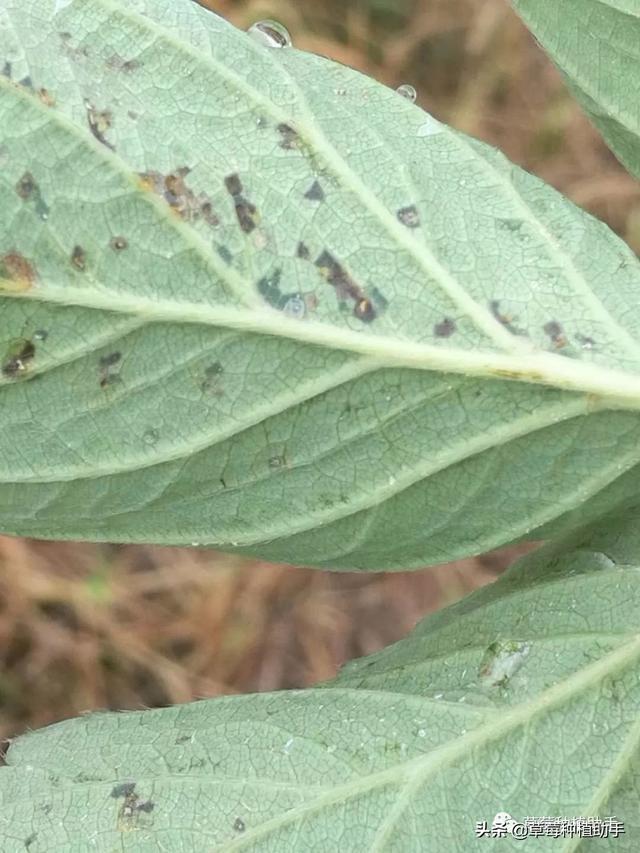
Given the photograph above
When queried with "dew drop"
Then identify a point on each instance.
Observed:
(407, 91)
(270, 34)
(295, 307)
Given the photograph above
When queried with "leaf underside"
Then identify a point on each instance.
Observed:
(521, 698)
(253, 300)
(596, 44)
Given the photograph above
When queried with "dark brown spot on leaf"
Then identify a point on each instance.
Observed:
(379, 300)
(28, 190)
(364, 310)
(181, 198)
(345, 286)
(212, 380)
(108, 364)
(100, 121)
(79, 258)
(16, 273)
(409, 216)
(289, 137)
(117, 63)
(445, 328)
(556, 333)
(46, 97)
(585, 341)
(17, 360)
(239, 825)
(315, 192)
(303, 252)
(125, 789)
(246, 212)
(269, 288)
(506, 320)
(208, 215)
(233, 184)
(111, 359)
(26, 186)
(132, 807)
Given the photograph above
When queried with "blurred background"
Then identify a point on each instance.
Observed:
(84, 626)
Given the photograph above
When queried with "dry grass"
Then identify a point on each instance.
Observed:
(87, 626)
(91, 626)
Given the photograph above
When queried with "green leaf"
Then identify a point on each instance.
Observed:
(252, 299)
(595, 43)
(522, 698)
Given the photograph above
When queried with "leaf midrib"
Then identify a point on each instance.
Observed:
(418, 770)
(614, 388)
(424, 258)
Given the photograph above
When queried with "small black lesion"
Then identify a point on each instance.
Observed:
(409, 216)
(180, 197)
(26, 186)
(109, 367)
(29, 840)
(212, 382)
(585, 341)
(556, 333)
(18, 359)
(506, 320)
(509, 224)
(365, 308)
(293, 304)
(124, 789)
(79, 258)
(6, 69)
(27, 82)
(276, 462)
(118, 243)
(28, 190)
(246, 211)
(132, 805)
(315, 192)
(239, 825)
(289, 137)
(225, 254)
(303, 251)
(445, 328)
(100, 121)
(46, 97)
(117, 63)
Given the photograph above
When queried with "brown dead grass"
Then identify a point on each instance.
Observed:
(85, 626)
(88, 626)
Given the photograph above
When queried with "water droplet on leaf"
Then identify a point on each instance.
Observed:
(407, 91)
(295, 307)
(270, 34)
